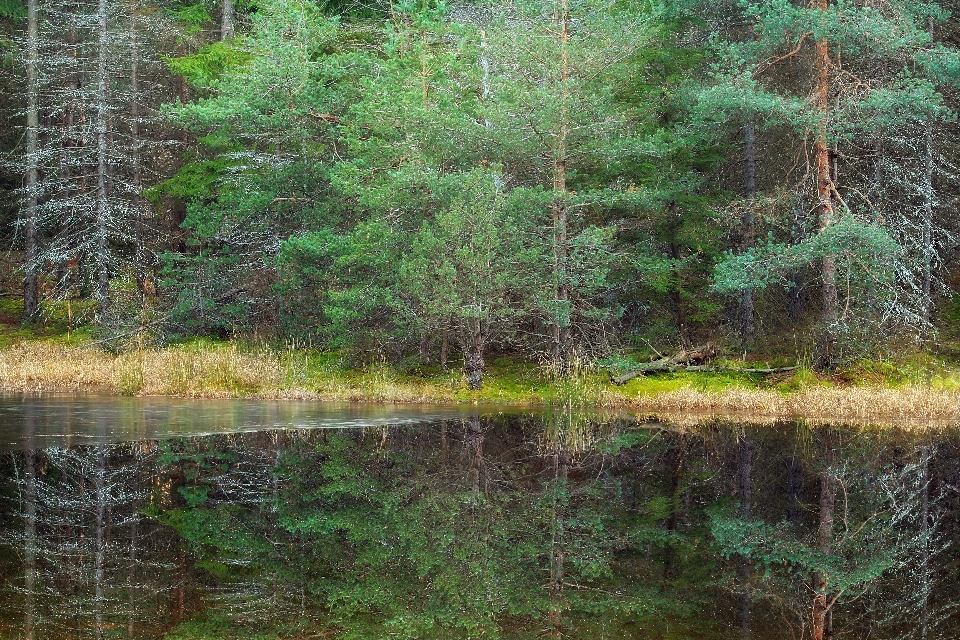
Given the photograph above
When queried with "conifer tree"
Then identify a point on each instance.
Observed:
(815, 67)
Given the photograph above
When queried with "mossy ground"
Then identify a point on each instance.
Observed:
(53, 356)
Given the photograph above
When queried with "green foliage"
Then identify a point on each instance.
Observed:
(866, 253)
(203, 68)
(385, 548)
(13, 10)
(193, 17)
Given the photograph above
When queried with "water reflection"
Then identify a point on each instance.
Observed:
(512, 526)
(66, 420)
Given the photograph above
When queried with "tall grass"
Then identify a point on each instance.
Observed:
(217, 371)
(230, 370)
(905, 402)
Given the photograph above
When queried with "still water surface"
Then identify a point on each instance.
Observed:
(165, 518)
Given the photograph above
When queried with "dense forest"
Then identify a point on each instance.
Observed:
(428, 181)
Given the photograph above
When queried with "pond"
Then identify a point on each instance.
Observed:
(165, 518)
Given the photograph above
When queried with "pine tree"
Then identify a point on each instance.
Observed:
(836, 97)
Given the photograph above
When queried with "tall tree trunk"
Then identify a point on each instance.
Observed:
(30, 544)
(680, 309)
(485, 78)
(676, 504)
(828, 497)
(827, 342)
(929, 200)
(561, 320)
(100, 557)
(748, 233)
(474, 364)
(136, 177)
(745, 465)
(227, 19)
(558, 551)
(31, 293)
(926, 577)
(444, 347)
(102, 293)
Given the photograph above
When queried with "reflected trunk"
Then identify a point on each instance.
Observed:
(828, 496)
(30, 545)
(745, 451)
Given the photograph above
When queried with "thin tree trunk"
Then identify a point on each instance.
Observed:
(227, 20)
(748, 233)
(828, 497)
(31, 293)
(444, 348)
(929, 198)
(100, 556)
(561, 472)
(103, 164)
(926, 577)
(745, 455)
(136, 177)
(561, 320)
(676, 500)
(30, 545)
(474, 362)
(827, 343)
(680, 309)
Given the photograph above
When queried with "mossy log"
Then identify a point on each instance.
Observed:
(689, 360)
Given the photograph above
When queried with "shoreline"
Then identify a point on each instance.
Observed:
(229, 371)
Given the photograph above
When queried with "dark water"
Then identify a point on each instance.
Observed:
(165, 518)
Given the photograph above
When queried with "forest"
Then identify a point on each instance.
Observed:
(429, 182)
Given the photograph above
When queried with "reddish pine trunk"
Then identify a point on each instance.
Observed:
(826, 348)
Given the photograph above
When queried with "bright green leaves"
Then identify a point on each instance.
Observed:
(274, 94)
(203, 68)
(193, 17)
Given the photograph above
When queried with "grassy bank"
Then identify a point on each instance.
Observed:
(227, 370)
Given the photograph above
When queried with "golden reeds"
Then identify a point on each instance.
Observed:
(228, 370)
(909, 402)
(212, 372)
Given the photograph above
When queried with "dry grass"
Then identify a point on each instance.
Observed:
(227, 370)
(212, 372)
(848, 403)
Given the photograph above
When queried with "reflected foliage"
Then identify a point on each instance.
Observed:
(489, 526)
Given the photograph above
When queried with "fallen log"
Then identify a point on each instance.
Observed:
(684, 358)
(665, 365)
